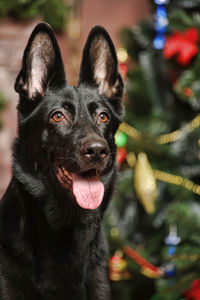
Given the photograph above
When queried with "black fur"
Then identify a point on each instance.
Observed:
(50, 247)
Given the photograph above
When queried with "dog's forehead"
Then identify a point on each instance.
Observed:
(84, 95)
(79, 96)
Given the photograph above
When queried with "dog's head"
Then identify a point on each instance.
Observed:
(69, 131)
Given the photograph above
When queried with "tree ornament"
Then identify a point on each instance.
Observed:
(187, 91)
(118, 267)
(170, 270)
(131, 159)
(172, 240)
(194, 292)
(120, 138)
(183, 45)
(121, 155)
(161, 2)
(122, 55)
(123, 69)
(145, 183)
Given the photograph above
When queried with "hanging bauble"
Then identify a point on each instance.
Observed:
(123, 68)
(145, 183)
(161, 2)
(122, 55)
(118, 267)
(131, 159)
(170, 270)
(159, 41)
(121, 155)
(194, 292)
(120, 138)
(172, 239)
(188, 92)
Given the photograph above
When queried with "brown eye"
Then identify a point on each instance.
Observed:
(103, 117)
(57, 116)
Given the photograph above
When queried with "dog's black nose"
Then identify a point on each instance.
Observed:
(95, 149)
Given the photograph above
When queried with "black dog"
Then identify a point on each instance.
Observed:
(51, 241)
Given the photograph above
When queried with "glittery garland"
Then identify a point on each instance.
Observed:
(163, 138)
(147, 269)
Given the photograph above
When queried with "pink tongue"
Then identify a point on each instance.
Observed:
(88, 191)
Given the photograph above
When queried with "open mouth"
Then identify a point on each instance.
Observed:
(86, 187)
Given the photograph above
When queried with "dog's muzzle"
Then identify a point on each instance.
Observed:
(85, 182)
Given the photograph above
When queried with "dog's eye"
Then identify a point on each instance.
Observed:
(57, 116)
(103, 117)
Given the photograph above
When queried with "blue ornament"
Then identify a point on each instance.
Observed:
(170, 270)
(161, 2)
(171, 250)
(172, 239)
(159, 42)
(161, 21)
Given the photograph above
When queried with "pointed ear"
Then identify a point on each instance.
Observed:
(99, 66)
(42, 64)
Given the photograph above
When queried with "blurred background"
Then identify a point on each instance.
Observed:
(153, 222)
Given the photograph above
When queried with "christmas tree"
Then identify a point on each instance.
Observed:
(153, 224)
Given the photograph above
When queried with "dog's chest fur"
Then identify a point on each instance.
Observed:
(53, 264)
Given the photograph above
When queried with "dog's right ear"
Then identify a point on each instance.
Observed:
(42, 64)
(99, 66)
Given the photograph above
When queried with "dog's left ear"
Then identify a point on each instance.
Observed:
(99, 66)
(42, 64)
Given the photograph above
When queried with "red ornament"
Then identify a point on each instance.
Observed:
(118, 268)
(182, 44)
(123, 68)
(188, 92)
(194, 292)
(121, 155)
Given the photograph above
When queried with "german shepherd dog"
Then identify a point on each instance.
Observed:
(51, 242)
